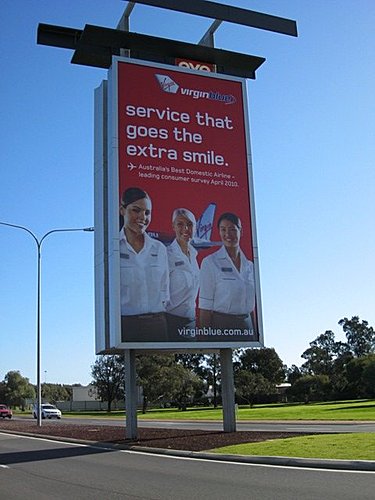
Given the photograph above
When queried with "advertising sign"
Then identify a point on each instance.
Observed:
(183, 270)
(198, 65)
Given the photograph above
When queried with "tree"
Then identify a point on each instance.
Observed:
(17, 389)
(108, 374)
(152, 373)
(311, 388)
(164, 380)
(338, 377)
(294, 373)
(185, 385)
(361, 376)
(56, 392)
(368, 376)
(264, 361)
(321, 354)
(3, 392)
(250, 385)
(213, 375)
(360, 336)
(195, 363)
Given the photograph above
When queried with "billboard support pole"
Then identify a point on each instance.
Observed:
(130, 395)
(227, 387)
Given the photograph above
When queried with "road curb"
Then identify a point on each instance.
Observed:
(310, 463)
(359, 465)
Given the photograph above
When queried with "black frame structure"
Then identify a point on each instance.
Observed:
(222, 12)
(95, 45)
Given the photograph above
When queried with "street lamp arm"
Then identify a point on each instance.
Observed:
(39, 242)
(64, 230)
(24, 229)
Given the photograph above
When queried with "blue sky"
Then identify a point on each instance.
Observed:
(312, 116)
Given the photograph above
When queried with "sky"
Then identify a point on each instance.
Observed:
(312, 120)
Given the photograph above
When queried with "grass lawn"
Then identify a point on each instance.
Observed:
(338, 446)
(342, 410)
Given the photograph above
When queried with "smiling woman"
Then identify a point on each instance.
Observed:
(143, 272)
(227, 290)
(183, 276)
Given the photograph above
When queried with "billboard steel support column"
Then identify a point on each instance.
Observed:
(130, 394)
(227, 390)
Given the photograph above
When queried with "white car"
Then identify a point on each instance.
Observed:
(47, 411)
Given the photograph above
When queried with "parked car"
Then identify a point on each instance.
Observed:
(47, 411)
(5, 412)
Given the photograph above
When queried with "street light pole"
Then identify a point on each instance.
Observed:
(38, 314)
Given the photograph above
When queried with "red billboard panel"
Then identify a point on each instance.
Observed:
(181, 164)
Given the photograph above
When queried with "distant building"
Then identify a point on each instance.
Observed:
(85, 398)
(85, 393)
(281, 391)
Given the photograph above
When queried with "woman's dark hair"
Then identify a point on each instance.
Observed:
(131, 195)
(231, 217)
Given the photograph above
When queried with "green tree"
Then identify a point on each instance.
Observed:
(193, 362)
(213, 376)
(311, 388)
(164, 380)
(322, 353)
(153, 377)
(3, 392)
(338, 377)
(17, 389)
(360, 374)
(196, 364)
(56, 392)
(368, 376)
(108, 373)
(294, 373)
(249, 386)
(360, 336)
(185, 385)
(264, 361)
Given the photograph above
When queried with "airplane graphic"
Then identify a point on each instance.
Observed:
(131, 166)
(202, 237)
(167, 84)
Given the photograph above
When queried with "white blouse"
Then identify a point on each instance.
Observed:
(183, 281)
(225, 289)
(144, 283)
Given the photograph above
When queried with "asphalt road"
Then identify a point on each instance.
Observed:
(38, 469)
(323, 427)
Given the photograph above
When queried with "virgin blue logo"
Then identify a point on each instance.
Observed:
(170, 86)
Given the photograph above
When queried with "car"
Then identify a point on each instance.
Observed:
(5, 412)
(47, 411)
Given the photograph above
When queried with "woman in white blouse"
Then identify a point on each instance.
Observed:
(183, 278)
(227, 289)
(144, 283)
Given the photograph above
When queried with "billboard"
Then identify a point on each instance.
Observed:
(181, 261)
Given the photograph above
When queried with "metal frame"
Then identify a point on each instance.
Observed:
(113, 233)
(227, 13)
(95, 46)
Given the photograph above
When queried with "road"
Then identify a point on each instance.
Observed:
(38, 469)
